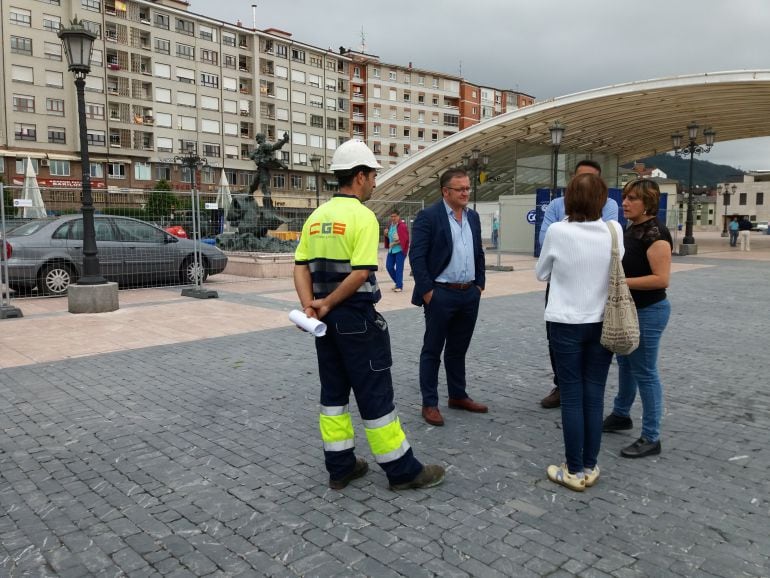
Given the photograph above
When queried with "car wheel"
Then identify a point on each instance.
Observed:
(188, 273)
(55, 279)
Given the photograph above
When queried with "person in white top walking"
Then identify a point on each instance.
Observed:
(575, 259)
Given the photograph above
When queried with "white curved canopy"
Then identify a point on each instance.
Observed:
(633, 120)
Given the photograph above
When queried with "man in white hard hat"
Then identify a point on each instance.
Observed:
(334, 278)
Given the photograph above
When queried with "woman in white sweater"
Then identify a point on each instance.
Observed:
(575, 258)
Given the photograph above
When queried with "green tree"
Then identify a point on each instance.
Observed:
(161, 201)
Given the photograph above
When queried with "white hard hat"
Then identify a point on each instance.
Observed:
(353, 153)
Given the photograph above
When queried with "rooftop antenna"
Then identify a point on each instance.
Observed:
(460, 69)
(363, 41)
(254, 16)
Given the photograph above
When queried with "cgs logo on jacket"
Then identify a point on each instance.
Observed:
(327, 228)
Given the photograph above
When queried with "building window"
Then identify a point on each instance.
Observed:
(279, 181)
(163, 172)
(742, 199)
(296, 182)
(92, 5)
(59, 168)
(185, 27)
(317, 121)
(185, 51)
(21, 17)
(162, 20)
(760, 199)
(376, 72)
(21, 165)
(142, 171)
(407, 97)
(21, 45)
(298, 55)
(209, 56)
(57, 135)
(23, 131)
(212, 150)
(96, 137)
(281, 50)
(52, 51)
(228, 39)
(206, 33)
(23, 103)
(97, 170)
(162, 46)
(210, 80)
(392, 75)
(331, 123)
(116, 170)
(53, 24)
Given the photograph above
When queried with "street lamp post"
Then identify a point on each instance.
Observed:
(692, 148)
(557, 133)
(474, 163)
(315, 162)
(194, 162)
(78, 43)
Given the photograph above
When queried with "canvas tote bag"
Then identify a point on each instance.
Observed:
(620, 328)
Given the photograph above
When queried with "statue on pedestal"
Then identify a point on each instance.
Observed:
(264, 157)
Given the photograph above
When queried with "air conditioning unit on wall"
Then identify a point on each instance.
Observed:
(43, 162)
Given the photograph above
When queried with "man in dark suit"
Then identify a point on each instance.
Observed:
(447, 260)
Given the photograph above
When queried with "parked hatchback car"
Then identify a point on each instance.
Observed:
(48, 254)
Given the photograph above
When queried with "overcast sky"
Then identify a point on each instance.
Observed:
(545, 48)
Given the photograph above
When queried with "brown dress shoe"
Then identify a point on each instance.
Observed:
(468, 405)
(552, 400)
(432, 415)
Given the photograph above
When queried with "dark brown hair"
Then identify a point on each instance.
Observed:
(647, 190)
(585, 197)
(450, 174)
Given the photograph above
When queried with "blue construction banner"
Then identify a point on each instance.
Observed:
(543, 197)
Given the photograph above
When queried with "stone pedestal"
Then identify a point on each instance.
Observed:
(688, 249)
(92, 298)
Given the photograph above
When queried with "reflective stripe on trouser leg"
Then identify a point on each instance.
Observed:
(336, 428)
(386, 438)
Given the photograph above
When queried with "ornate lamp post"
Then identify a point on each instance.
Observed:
(474, 163)
(193, 163)
(315, 162)
(726, 201)
(557, 133)
(692, 148)
(78, 42)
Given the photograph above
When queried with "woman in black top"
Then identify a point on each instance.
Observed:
(647, 265)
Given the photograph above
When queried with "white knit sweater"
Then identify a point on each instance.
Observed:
(575, 258)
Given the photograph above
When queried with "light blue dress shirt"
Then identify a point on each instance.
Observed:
(462, 267)
(555, 213)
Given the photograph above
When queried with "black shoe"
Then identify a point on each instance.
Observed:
(616, 423)
(358, 470)
(641, 448)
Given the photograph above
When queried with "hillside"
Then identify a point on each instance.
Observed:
(704, 172)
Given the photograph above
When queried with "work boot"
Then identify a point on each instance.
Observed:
(430, 476)
(552, 400)
(358, 470)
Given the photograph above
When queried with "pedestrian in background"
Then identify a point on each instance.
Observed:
(647, 266)
(575, 260)
(744, 227)
(733, 226)
(397, 244)
(334, 277)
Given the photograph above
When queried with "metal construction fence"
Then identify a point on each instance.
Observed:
(155, 237)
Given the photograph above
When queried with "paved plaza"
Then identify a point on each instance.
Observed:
(179, 437)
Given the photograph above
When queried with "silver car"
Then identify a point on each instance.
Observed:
(48, 254)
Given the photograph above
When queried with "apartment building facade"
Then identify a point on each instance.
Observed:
(164, 81)
(399, 110)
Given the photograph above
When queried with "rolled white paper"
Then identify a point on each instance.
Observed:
(314, 326)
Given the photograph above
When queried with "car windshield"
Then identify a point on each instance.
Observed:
(27, 228)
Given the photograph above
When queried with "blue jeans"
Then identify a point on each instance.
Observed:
(394, 263)
(639, 371)
(582, 365)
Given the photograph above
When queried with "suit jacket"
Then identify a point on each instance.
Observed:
(431, 248)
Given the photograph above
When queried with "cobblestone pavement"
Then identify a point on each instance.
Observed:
(203, 458)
